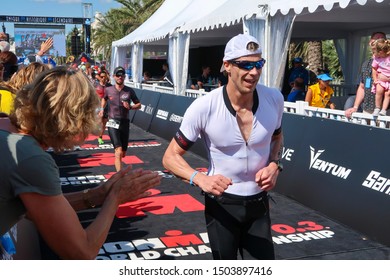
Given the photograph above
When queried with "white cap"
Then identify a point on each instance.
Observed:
(237, 47)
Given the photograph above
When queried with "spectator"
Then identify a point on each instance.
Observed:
(10, 66)
(88, 71)
(146, 77)
(381, 76)
(319, 94)
(192, 83)
(298, 91)
(121, 100)
(69, 60)
(204, 78)
(364, 98)
(297, 70)
(3, 36)
(237, 183)
(167, 74)
(22, 77)
(1, 71)
(4, 46)
(59, 110)
(74, 66)
(223, 77)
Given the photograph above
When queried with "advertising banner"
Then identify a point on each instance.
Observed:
(340, 170)
(143, 117)
(169, 115)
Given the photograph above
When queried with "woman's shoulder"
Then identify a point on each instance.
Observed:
(24, 145)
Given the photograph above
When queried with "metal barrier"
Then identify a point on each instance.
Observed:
(343, 90)
(303, 108)
(299, 107)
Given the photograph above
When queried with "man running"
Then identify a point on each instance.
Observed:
(241, 125)
(121, 99)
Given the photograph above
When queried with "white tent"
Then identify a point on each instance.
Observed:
(180, 25)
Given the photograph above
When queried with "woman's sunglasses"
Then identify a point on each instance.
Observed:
(248, 65)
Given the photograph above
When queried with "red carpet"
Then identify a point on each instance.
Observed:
(170, 224)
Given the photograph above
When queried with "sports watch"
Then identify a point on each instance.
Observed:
(278, 163)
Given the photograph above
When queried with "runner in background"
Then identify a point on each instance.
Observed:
(103, 82)
(121, 99)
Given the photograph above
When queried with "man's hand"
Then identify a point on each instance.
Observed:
(267, 176)
(126, 105)
(349, 112)
(215, 184)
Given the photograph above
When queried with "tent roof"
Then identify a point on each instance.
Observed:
(157, 26)
(360, 17)
(284, 6)
(173, 14)
(316, 19)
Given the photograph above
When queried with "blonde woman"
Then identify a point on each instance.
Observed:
(22, 77)
(58, 110)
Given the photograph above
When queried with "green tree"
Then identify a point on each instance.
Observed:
(320, 56)
(137, 12)
(331, 59)
(110, 28)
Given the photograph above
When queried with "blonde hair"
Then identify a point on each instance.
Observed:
(382, 45)
(58, 109)
(24, 76)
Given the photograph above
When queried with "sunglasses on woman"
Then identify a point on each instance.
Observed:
(249, 65)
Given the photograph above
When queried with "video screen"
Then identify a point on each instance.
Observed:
(29, 37)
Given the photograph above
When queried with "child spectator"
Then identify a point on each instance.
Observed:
(381, 75)
(298, 91)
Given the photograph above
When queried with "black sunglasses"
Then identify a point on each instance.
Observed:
(120, 75)
(248, 65)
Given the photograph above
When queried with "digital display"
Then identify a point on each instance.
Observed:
(29, 37)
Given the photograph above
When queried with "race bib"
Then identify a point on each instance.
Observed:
(113, 123)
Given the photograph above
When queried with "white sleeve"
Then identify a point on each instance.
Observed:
(194, 119)
(280, 103)
(38, 58)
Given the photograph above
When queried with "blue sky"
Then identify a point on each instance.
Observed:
(51, 8)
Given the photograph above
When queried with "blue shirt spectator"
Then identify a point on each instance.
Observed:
(298, 91)
(298, 71)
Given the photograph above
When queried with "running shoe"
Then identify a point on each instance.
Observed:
(100, 141)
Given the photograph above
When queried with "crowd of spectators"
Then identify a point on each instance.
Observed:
(42, 106)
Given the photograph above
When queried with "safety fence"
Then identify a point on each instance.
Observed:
(299, 107)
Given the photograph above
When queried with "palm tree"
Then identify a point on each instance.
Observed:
(331, 59)
(111, 28)
(138, 11)
(314, 56)
(320, 56)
